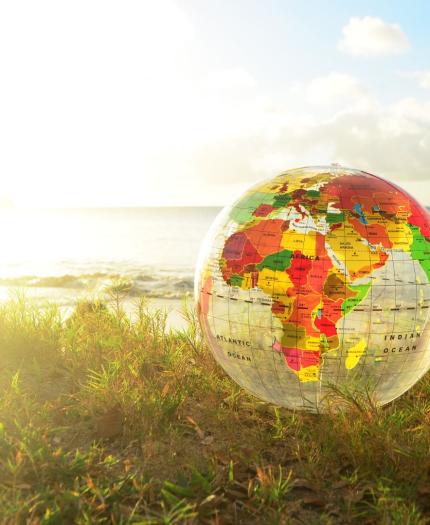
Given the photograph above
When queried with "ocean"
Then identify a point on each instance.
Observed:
(63, 255)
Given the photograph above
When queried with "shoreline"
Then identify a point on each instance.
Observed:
(66, 299)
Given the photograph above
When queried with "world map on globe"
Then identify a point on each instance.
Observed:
(314, 278)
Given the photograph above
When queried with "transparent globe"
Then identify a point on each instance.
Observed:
(317, 280)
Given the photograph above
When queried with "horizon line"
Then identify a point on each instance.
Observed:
(109, 207)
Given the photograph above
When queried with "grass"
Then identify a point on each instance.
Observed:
(107, 420)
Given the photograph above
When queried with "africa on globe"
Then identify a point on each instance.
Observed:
(316, 278)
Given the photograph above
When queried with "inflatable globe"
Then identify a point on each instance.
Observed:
(317, 281)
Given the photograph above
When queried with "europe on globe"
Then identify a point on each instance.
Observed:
(314, 279)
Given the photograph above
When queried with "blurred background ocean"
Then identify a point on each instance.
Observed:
(66, 254)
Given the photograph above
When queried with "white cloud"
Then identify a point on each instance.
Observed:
(411, 109)
(336, 90)
(389, 140)
(230, 134)
(380, 142)
(372, 36)
(333, 86)
(423, 78)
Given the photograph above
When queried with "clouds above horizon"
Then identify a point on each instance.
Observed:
(392, 140)
(125, 105)
(371, 36)
(423, 78)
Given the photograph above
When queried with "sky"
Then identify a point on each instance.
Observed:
(188, 102)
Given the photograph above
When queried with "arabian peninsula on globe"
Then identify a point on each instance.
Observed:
(318, 277)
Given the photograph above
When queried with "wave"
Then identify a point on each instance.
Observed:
(152, 284)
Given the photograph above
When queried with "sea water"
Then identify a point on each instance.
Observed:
(61, 255)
